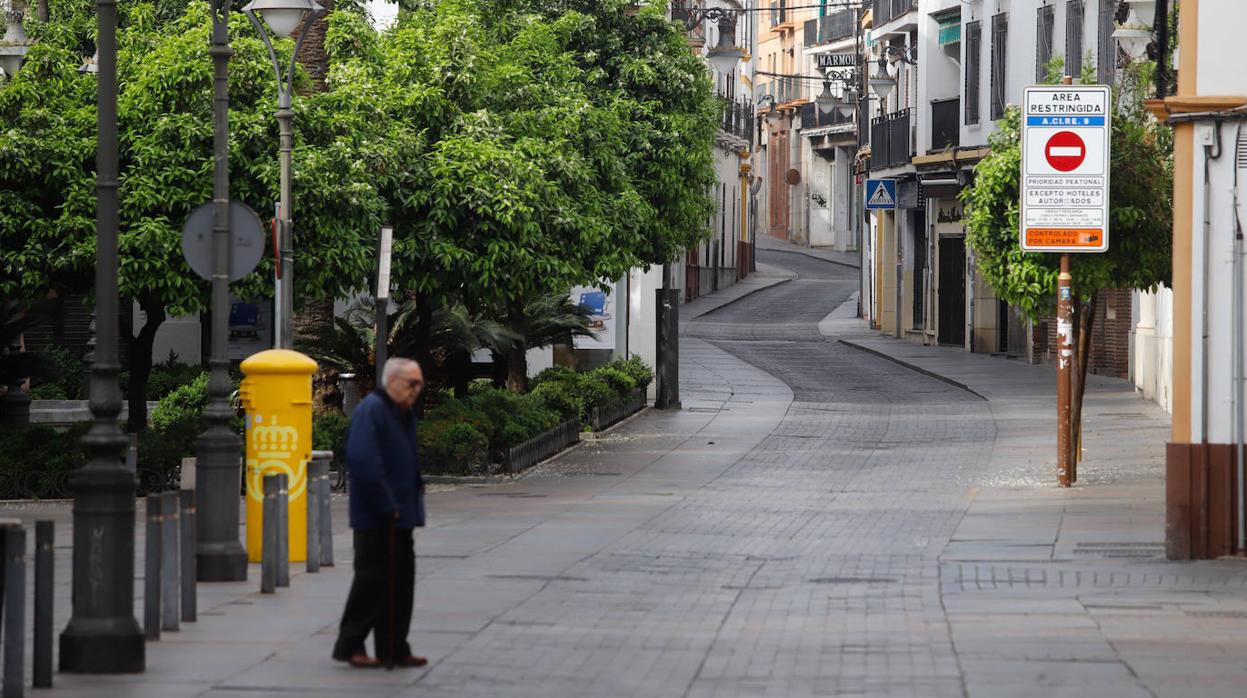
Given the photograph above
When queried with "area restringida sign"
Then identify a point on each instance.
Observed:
(1065, 168)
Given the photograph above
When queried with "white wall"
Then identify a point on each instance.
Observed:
(1153, 346)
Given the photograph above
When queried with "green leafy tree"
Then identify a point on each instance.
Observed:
(47, 169)
(1140, 222)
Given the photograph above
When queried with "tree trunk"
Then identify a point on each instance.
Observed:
(499, 378)
(517, 356)
(140, 362)
(1086, 325)
(312, 55)
(460, 368)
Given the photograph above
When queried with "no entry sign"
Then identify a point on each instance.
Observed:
(1065, 168)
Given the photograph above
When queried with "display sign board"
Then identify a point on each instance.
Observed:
(880, 194)
(836, 60)
(1065, 168)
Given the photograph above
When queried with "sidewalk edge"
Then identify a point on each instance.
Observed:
(915, 367)
(811, 255)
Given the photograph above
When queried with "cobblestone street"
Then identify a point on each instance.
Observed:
(828, 515)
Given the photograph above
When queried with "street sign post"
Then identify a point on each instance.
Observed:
(880, 194)
(1066, 131)
(1065, 168)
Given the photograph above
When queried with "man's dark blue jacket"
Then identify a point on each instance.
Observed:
(384, 465)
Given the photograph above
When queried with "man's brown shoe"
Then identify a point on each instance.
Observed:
(413, 661)
(363, 661)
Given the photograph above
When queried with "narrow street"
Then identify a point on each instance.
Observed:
(818, 520)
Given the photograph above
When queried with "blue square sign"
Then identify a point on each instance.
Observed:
(880, 194)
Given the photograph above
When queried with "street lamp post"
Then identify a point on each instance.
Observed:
(220, 554)
(723, 58)
(102, 636)
(283, 17)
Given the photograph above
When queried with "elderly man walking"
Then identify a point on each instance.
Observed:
(386, 503)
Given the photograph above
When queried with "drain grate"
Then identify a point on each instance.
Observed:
(1217, 614)
(1121, 550)
(852, 580)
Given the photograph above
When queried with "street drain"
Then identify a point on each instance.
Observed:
(1217, 614)
(852, 580)
(538, 577)
(1121, 550)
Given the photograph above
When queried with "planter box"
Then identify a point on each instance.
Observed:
(604, 416)
(540, 447)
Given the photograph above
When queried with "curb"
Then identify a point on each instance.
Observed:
(738, 299)
(811, 255)
(913, 367)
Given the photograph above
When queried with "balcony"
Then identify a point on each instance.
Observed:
(782, 19)
(738, 119)
(811, 117)
(887, 10)
(825, 30)
(891, 140)
(945, 124)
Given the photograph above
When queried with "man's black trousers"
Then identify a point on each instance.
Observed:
(368, 606)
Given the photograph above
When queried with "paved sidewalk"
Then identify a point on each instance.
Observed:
(832, 513)
(826, 254)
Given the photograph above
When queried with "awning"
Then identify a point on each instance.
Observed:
(950, 31)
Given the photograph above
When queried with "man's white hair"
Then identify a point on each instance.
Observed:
(393, 367)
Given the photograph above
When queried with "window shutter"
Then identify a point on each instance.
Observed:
(974, 56)
(1000, 38)
(1073, 38)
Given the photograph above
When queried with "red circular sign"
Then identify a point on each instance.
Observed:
(1065, 151)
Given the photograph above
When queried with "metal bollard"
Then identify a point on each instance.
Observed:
(325, 487)
(151, 569)
(170, 563)
(269, 536)
(190, 571)
(14, 611)
(315, 467)
(283, 530)
(45, 535)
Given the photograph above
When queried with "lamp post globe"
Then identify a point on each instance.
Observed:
(13, 45)
(1135, 33)
(881, 83)
(1145, 10)
(826, 101)
(724, 56)
(283, 17)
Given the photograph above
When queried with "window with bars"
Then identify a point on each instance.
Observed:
(1106, 55)
(1044, 24)
(973, 43)
(1073, 38)
(1000, 40)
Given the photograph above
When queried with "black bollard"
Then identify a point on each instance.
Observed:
(314, 468)
(325, 487)
(170, 563)
(45, 534)
(268, 536)
(283, 530)
(151, 569)
(14, 611)
(190, 596)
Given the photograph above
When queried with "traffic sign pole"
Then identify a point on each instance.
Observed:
(1065, 353)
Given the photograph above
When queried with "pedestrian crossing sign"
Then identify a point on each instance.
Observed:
(880, 194)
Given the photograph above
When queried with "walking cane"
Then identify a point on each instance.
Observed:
(389, 661)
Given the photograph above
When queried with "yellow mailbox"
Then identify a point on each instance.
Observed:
(277, 394)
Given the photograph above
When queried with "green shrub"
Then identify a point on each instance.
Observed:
(66, 379)
(35, 460)
(48, 391)
(183, 404)
(620, 382)
(449, 446)
(594, 390)
(554, 374)
(329, 431)
(561, 397)
(635, 367)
